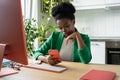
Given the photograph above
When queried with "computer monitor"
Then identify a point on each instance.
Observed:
(12, 35)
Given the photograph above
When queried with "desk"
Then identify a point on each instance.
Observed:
(74, 72)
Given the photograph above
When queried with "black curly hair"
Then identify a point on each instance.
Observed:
(63, 10)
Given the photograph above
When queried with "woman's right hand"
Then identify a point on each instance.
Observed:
(51, 60)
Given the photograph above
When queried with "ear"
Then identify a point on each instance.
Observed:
(73, 21)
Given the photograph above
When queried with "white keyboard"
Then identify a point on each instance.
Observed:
(46, 67)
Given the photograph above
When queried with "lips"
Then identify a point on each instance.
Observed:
(65, 34)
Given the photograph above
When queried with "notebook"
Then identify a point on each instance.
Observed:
(7, 71)
(45, 67)
(98, 75)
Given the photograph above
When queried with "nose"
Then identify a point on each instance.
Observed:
(63, 29)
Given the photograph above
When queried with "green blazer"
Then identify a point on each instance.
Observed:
(55, 42)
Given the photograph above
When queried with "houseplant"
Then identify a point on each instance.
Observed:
(31, 34)
(44, 30)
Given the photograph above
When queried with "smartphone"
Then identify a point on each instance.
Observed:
(54, 54)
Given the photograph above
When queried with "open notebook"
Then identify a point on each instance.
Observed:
(98, 75)
(45, 67)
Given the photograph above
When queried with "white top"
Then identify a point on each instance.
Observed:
(67, 50)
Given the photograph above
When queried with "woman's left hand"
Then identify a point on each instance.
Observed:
(72, 36)
(78, 37)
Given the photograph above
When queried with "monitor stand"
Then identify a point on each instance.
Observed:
(5, 71)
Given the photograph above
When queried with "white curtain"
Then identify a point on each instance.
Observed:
(30, 9)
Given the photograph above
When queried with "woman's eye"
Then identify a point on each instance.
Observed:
(66, 27)
(59, 27)
(63, 27)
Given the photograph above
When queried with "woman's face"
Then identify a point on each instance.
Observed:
(66, 26)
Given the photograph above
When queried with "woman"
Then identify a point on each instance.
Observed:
(72, 45)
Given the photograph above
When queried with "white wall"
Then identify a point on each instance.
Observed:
(103, 23)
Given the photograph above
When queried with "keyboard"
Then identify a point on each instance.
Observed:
(45, 67)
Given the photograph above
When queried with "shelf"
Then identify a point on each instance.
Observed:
(95, 4)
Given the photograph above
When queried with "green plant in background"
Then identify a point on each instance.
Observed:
(32, 32)
(44, 29)
(31, 35)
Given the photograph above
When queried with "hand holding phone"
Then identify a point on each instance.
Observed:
(54, 54)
